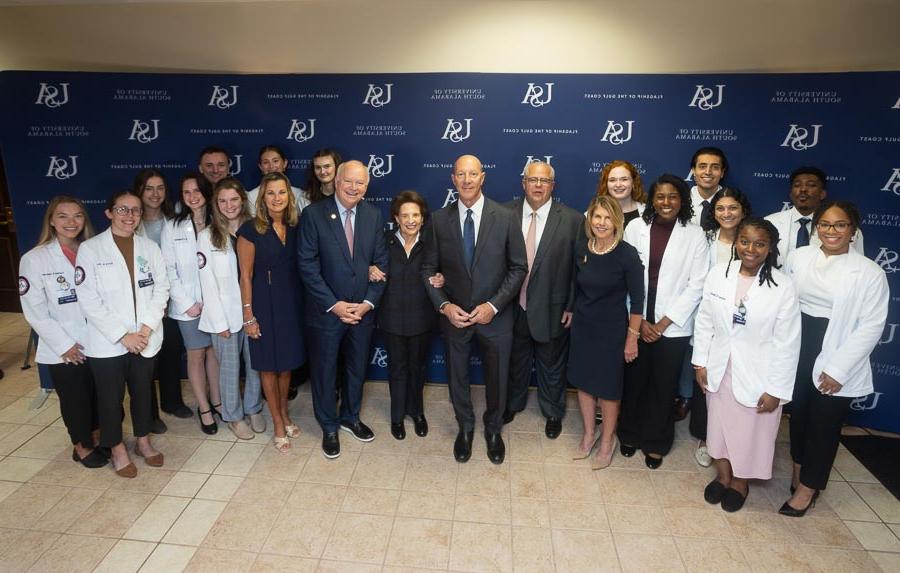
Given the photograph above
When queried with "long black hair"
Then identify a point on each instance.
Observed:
(686, 211)
(141, 179)
(709, 223)
(771, 262)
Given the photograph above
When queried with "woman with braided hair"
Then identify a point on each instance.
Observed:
(746, 347)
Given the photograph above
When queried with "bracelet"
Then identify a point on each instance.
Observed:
(248, 305)
(634, 332)
(251, 321)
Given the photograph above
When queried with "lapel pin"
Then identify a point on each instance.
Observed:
(333, 216)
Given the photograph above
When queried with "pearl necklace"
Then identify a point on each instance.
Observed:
(593, 247)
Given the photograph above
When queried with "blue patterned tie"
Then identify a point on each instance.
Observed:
(803, 232)
(469, 238)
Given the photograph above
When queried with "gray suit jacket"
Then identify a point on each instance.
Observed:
(550, 287)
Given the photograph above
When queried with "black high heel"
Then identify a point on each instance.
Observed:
(789, 511)
(208, 429)
(215, 410)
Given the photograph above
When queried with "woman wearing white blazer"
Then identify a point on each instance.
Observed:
(122, 288)
(675, 256)
(222, 315)
(50, 305)
(179, 247)
(844, 300)
(746, 345)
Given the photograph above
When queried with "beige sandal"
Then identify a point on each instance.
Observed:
(292, 430)
(282, 444)
(583, 456)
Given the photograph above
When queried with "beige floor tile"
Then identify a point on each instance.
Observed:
(360, 538)
(758, 527)
(877, 497)
(184, 484)
(626, 486)
(70, 474)
(636, 519)
(379, 470)
(525, 447)
(219, 560)
(328, 566)
(846, 503)
(371, 500)
(20, 412)
(7, 488)
(431, 473)
(829, 560)
(419, 543)
(426, 504)
(179, 449)
(852, 469)
(708, 522)
(527, 512)
(888, 562)
(573, 482)
(301, 533)
(647, 552)
(207, 456)
(578, 515)
(338, 471)
(874, 536)
(125, 557)
(532, 550)
(46, 445)
(710, 556)
(283, 564)
(112, 514)
(385, 442)
(578, 551)
(483, 509)
(195, 521)
(823, 531)
(272, 464)
(241, 527)
(483, 478)
(527, 480)
(148, 480)
(895, 528)
(19, 549)
(320, 497)
(264, 492)
(69, 509)
(239, 460)
(220, 488)
(481, 547)
(562, 450)
(775, 556)
(679, 489)
(439, 442)
(20, 469)
(168, 558)
(24, 507)
(73, 554)
(13, 435)
(156, 520)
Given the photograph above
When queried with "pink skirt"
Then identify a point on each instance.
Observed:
(739, 434)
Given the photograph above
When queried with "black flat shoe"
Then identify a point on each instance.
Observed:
(462, 448)
(331, 445)
(208, 429)
(421, 426)
(496, 449)
(652, 463)
(627, 451)
(553, 428)
(181, 411)
(360, 431)
(733, 500)
(791, 511)
(105, 452)
(398, 431)
(93, 460)
(157, 426)
(714, 492)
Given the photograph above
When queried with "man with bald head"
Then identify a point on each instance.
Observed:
(340, 237)
(477, 244)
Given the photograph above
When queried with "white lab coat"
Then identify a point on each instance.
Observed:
(681, 274)
(221, 290)
(179, 248)
(105, 294)
(786, 223)
(49, 301)
(764, 351)
(857, 320)
(299, 197)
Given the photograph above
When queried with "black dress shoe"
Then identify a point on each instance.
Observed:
(421, 425)
(496, 449)
(360, 431)
(208, 429)
(509, 416)
(331, 445)
(733, 500)
(682, 408)
(789, 511)
(157, 426)
(553, 427)
(398, 431)
(181, 411)
(652, 463)
(462, 448)
(714, 492)
(104, 451)
(93, 460)
(627, 451)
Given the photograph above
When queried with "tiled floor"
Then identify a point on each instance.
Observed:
(222, 505)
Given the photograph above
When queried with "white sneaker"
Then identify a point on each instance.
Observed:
(702, 456)
(258, 422)
(241, 429)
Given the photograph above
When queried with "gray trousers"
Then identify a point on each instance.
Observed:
(228, 352)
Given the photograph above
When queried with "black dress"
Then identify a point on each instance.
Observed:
(276, 300)
(600, 318)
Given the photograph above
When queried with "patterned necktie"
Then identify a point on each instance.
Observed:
(530, 248)
(469, 238)
(348, 230)
(803, 232)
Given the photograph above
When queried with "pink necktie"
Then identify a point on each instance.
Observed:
(348, 230)
(530, 240)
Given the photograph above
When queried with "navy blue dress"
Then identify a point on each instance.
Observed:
(276, 301)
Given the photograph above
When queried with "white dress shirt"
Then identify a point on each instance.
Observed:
(477, 208)
(542, 213)
(697, 202)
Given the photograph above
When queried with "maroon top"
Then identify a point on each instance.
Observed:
(659, 237)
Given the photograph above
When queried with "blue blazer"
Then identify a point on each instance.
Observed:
(328, 271)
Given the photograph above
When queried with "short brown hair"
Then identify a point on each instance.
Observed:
(409, 196)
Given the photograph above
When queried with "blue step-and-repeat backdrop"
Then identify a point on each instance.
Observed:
(87, 134)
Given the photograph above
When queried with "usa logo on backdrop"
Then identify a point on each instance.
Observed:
(454, 130)
(706, 98)
(51, 95)
(615, 130)
(888, 337)
(301, 131)
(378, 96)
(143, 131)
(531, 159)
(61, 168)
(798, 138)
(864, 403)
(234, 165)
(452, 197)
(379, 357)
(538, 96)
(896, 105)
(887, 259)
(222, 97)
(380, 166)
(893, 182)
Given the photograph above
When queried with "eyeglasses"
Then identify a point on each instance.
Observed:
(840, 226)
(122, 211)
(536, 180)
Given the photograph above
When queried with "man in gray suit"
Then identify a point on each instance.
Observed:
(477, 244)
(543, 312)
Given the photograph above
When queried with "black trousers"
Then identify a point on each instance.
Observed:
(407, 356)
(495, 351)
(647, 420)
(111, 376)
(549, 362)
(697, 425)
(168, 370)
(74, 384)
(816, 419)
